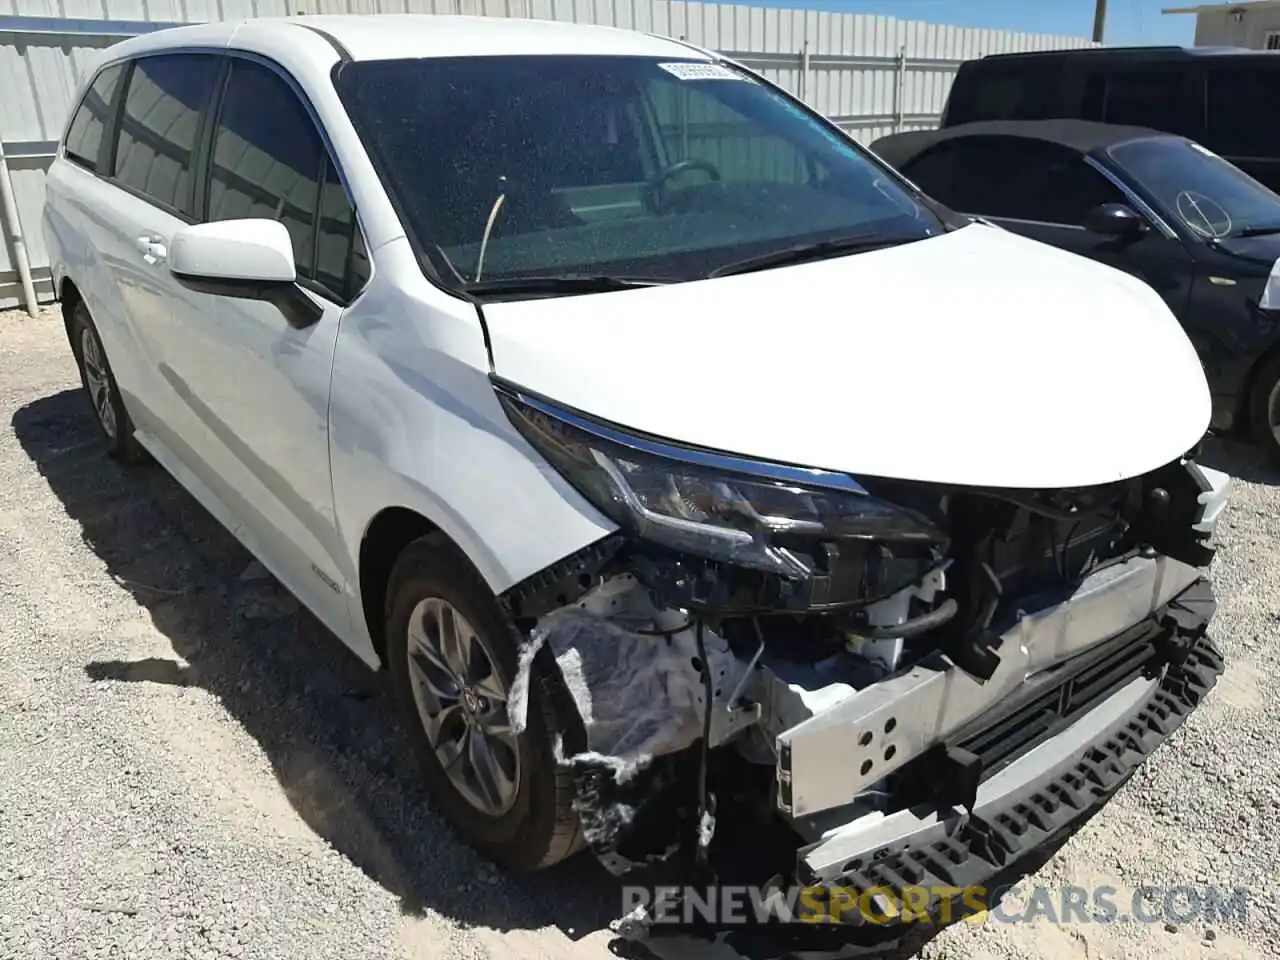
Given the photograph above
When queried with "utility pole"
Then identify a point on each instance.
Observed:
(1099, 19)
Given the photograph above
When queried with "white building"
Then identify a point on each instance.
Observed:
(1255, 24)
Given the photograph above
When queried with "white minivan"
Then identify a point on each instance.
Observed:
(693, 475)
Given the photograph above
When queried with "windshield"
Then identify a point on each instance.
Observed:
(1209, 195)
(607, 166)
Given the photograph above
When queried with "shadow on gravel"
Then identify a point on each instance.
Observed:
(1239, 459)
(320, 716)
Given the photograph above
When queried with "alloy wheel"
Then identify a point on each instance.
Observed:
(462, 703)
(97, 380)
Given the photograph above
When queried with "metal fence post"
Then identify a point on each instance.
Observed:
(804, 72)
(899, 89)
(9, 216)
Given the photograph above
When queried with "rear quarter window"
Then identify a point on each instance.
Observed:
(89, 124)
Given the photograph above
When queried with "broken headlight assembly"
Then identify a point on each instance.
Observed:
(778, 522)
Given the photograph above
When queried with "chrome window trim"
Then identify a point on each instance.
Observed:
(1134, 200)
(1034, 223)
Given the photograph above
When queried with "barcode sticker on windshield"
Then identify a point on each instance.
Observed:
(701, 71)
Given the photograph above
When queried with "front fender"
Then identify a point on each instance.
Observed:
(414, 423)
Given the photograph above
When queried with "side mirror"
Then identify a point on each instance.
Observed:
(244, 259)
(1115, 220)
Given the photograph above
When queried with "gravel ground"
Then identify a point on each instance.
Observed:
(190, 767)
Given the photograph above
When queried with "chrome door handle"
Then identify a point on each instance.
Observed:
(153, 249)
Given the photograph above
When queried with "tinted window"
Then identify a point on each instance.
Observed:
(993, 91)
(1058, 186)
(84, 135)
(1011, 97)
(1238, 99)
(1213, 197)
(1151, 98)
(269, 161)
(158, 128)
(933, 172)
(1008, 177)
(1093, 97)
(342, 263)
(266, 158)
(576, 161)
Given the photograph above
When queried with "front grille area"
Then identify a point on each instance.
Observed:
(951, 771)
(1080, 686)
(994, 837)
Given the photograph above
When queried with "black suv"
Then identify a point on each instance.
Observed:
(1222, 97)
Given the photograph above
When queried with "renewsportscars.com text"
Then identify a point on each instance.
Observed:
(741, 905)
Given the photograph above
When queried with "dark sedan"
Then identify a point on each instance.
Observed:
(1204, 234)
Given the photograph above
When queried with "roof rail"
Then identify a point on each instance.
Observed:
(1086, 51)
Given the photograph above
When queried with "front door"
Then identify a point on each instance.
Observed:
(258, 387)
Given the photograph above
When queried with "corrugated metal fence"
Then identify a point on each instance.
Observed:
(872, 75)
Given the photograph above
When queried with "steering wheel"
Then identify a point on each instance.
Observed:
(657, 186)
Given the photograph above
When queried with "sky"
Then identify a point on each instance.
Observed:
(1128, 21)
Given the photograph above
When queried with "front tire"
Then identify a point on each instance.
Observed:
(452, 659)
(1264, 409)
(114, 424)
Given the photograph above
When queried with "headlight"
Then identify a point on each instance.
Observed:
(763, 516)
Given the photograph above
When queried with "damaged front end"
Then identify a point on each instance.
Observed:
(791, 676)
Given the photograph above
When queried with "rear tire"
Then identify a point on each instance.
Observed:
(1264, 409)
(114, 424)
(515, 808)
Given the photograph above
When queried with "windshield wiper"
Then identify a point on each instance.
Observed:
(1261, 230)
(566, 283)
(822, 249)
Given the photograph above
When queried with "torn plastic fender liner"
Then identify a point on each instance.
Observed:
(634, 678)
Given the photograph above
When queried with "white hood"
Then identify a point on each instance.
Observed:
(977, 357)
